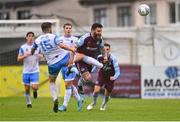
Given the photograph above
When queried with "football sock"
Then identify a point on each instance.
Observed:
(92, 61)
(75, 93)
(67, 96)
(106, 99)
(80, 85)
(95, 95)
(53, 90)
(28, 98)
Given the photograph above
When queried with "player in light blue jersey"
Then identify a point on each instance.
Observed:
(69, 40)
(57, 55)
(30, 67)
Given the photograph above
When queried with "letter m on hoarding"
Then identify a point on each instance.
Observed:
(148, 83)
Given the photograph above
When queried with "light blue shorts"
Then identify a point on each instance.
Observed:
(30, 78)
(54, 69)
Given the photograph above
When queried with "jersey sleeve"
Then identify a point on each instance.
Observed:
(80, 41)
(57, 40)
(35, 46)
(116, 67)
(21, 52)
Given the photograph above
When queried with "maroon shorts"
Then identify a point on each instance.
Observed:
(83, 67)
(108, 84)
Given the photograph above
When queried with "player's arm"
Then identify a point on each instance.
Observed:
(66, 47)
(80, 41)
(58, 41)
(40, 55)
(116, 68)
(21, 56)
(33, 49)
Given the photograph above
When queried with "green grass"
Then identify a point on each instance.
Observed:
(117, 109)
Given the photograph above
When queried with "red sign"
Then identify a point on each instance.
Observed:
(127, 85)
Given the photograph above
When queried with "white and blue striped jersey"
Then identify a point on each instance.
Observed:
(31, 63)
(70, 41)
(49, 46)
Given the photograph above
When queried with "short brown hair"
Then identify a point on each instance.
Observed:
(67, 24)
(96, 25)
(45, 26)
(30, 32)
(108, 45)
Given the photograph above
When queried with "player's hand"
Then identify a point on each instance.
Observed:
(171, 72)
(112, 78)
(27, 54)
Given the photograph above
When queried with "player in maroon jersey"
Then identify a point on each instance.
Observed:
(89, 44)
(106, 77)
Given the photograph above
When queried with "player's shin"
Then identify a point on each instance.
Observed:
(75, 93)
(53, 90)
(92, 61)
(67, 96)
(28, 98)
(95, 96)
(80, 87)
(105, 100)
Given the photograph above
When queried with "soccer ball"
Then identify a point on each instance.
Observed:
(143, 10)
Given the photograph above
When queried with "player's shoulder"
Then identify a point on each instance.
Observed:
(74, 37)
(23, 45)
(113, 57)
(86, 35)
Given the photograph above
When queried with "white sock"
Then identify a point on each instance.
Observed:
(92, 61)
(67, 96)
(28, 98)
(75, 93)
(53, 90)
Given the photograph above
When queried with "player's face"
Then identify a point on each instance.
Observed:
(68, 30)
(106, 51)
(30, 38)
(97, 33)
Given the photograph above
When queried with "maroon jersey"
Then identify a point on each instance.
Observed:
(88, 46)
(104, 74)
(109, 69)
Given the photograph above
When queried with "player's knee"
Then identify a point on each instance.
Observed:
(35, 86)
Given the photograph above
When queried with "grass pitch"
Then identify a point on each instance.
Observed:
(116, 110)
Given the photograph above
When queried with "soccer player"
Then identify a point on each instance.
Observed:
(106, 77)
(89, 44)
(69, 40)
(30, 67)
(57, 55)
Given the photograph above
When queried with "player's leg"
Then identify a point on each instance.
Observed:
(108, 89)
(27, 90)
(34, 83)
(67, 96)
(105, 100)
(88, 60)
(28, 96)
(68, 78)
(80, 88)
(78, 97)
(54, 70)
(95, 95)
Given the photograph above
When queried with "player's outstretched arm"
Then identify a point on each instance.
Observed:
(66, 47)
